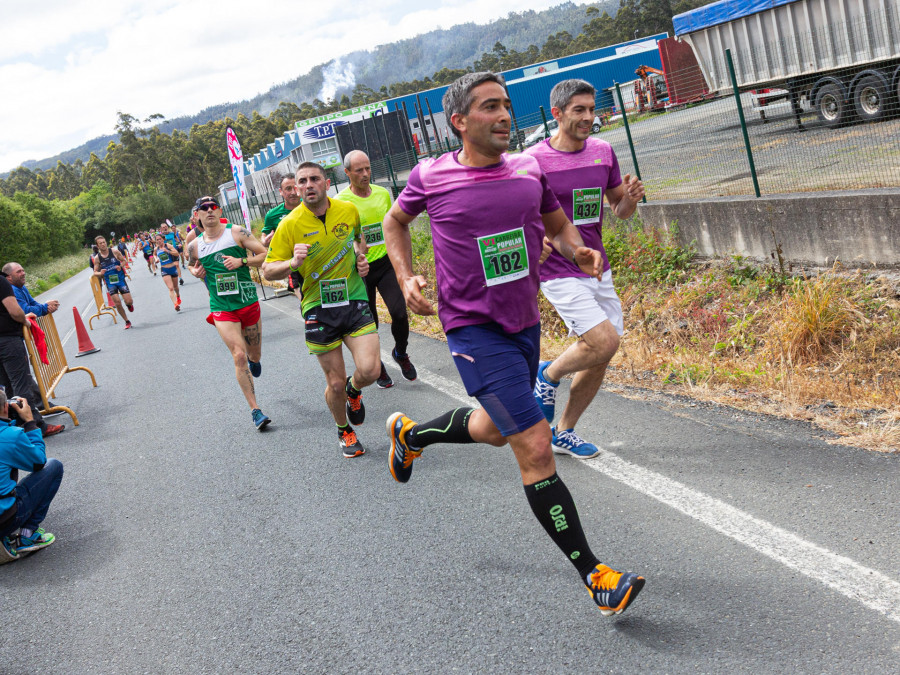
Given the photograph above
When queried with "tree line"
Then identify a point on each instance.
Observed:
(149, 175)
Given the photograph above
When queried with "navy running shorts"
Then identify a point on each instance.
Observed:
(499, 369)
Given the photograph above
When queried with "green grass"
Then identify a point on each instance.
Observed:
(43, 277)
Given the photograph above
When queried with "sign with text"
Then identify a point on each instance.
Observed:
(236, 157)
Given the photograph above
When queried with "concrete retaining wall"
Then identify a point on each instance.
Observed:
(860, 229)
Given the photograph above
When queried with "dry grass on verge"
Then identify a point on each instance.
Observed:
(822, 347)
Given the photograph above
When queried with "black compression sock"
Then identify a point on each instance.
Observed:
(555, 510)
(451, 427)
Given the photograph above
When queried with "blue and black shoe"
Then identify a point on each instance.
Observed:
(260, 420)
(613, 591)
(401, 455)
(255, 368)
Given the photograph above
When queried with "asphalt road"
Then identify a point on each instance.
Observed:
(190, 542)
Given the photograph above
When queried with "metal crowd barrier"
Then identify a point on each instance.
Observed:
(49, 374)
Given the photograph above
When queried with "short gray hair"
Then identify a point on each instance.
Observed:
(348, 159)
(458, 97)
(563, 93)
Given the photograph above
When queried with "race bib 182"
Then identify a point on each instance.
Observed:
(504, 256)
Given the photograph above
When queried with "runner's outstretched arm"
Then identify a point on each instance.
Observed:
(399, 247)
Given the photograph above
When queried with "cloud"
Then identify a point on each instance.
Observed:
(72, 65)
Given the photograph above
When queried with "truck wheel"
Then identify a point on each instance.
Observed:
(595, 129)
(870, 98)
(831, 107)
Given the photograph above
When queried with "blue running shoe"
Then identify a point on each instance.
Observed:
(545, 392)
(255, 368)
(567, 442)
(611, 590)
(260, 420)
(38, 539)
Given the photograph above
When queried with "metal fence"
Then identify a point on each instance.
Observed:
(834, 131)
(763, 142)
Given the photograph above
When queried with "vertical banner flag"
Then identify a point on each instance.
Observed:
(236, 157)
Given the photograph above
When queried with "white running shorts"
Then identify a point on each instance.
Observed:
(585, 302)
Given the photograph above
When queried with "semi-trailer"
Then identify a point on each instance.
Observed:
(842, 56)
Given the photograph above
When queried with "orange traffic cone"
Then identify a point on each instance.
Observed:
(109, 301)
(85, 346)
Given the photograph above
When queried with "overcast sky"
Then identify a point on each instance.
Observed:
(67, 66)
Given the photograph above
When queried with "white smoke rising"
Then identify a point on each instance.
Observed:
(335, 76)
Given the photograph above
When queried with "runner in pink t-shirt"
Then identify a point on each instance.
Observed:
(489, 213)
(581, 170)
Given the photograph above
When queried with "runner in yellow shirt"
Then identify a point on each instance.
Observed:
(322, 240)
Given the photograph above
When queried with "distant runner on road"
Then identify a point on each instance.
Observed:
(147, 248)
(168, 267)
(109, 264)
(489, 212)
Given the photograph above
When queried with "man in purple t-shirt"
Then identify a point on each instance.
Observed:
(489, 213)
(581, 170)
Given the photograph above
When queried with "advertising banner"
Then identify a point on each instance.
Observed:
(236, 157)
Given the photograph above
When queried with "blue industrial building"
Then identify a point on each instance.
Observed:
(529, 87)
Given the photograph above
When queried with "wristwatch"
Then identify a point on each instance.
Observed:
(244, 262)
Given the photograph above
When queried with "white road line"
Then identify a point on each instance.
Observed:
(857, 582)
(860, 583)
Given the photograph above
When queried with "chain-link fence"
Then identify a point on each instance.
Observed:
(808, 137)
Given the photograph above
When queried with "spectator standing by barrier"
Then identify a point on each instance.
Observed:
(15, 371)
(16, 275)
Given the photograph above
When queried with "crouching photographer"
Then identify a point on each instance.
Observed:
(23, 505)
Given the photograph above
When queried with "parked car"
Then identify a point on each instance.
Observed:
(539, 134)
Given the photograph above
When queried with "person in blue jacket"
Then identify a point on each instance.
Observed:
(24, 504)
(16, 275)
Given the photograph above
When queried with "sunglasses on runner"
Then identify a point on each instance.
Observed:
(208, 207)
